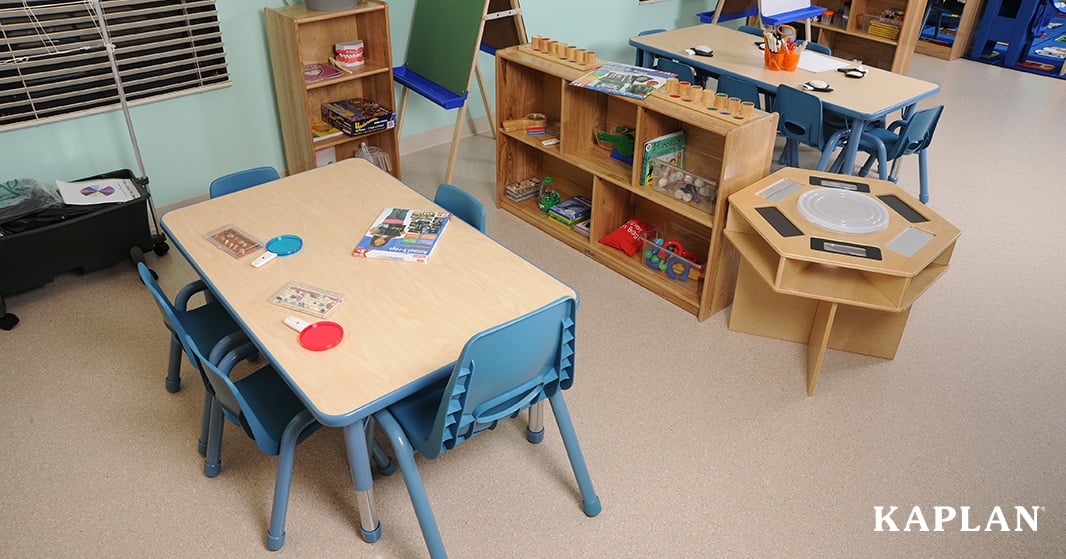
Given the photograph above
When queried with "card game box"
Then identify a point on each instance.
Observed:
(358, 116)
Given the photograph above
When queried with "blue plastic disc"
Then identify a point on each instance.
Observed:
(284, 245)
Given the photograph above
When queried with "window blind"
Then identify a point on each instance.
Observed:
(54, 63)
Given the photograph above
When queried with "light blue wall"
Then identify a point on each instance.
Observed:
(188, 141)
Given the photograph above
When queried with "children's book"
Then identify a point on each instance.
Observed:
(403, 234)
(620, 79)
(669, 147)
(323, 131)
(318, 71)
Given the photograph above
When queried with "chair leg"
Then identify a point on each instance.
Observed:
(385, 464)
(535, 426)
(417, 491)
(174, 365)
(213, 459)
(275, 537)
(205, 424)
(589, 500)
(923, 177)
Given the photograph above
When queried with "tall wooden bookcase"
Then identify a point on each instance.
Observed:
(851, 39)
(733, 152)
(298, 36)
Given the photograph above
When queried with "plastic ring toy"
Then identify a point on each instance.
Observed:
(670, 248)
(672, 269)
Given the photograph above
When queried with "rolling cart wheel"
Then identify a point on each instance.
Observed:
(8, 321)
(161, 248)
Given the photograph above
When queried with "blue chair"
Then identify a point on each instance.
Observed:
(800, 121)
(817, 47)
(751, 30)
(500, 372)
(241, 180)
(270, 414)
(736, 87)
(640, 52)
(209, 325)
(684, 72)
(461, 204)
(902, 137)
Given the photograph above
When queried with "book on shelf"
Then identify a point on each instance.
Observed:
(318, 71)
(621, 79)
(323, 130)
(571, 211)
(669, 147)
(403, 234)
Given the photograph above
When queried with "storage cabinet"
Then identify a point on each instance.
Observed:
(298, 36)
(850, 38)
(733, 152)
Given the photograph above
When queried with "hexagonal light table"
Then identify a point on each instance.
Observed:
(802, 282)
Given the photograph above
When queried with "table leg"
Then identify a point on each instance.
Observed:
(359, 462)
(852, 149)
(818, 341)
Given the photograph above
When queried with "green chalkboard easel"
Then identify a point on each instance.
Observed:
(445, 36)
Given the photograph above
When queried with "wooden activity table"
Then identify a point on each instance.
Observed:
(805, 283)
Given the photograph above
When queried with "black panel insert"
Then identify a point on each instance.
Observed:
(778, 221)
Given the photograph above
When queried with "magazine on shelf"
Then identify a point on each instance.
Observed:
(668, 147)
(403, 234)
(621, 79)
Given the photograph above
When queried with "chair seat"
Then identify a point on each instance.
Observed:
(411, 412)
(887, 137)
(266, 390)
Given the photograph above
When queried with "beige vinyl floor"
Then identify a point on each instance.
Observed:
(701, 442)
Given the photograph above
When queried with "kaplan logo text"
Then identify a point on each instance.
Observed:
(962, 519)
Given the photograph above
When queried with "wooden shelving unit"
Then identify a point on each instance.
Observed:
(852, 41)
(733, 152)
(963, 34)
(298, 36)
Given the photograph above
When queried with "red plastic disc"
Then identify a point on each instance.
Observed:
(320, 336)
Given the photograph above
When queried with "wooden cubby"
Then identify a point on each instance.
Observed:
(733, 152)
(298, 36)
(850, 40)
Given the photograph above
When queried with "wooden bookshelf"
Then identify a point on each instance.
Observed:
(733, 152)
(298, 36)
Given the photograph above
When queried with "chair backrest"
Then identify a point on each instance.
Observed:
(241, 180)
(917, 132)
(736, 87)
(640, 52)
(818, 47)
(799, 115)
(684, 72)
(461, 204)
(504, 370)
(751, 30)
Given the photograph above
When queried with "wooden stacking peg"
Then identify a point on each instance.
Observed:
(571, 54)
(695, 93)
(708, 98)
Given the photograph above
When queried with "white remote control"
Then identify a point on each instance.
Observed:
(296, 323)
(263, 259)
